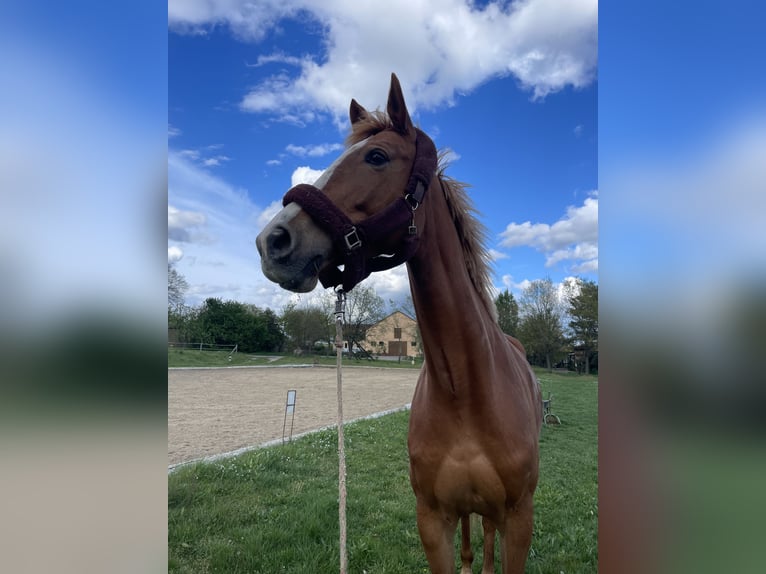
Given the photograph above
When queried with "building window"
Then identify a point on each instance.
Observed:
(413, 343)
(397, 332)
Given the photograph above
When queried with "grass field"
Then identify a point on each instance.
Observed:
(275, 510)
(196, 358)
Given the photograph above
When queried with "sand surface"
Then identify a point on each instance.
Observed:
(212, 411)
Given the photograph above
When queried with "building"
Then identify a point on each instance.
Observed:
(395, 336)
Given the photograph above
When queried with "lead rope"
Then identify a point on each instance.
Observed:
(340, 310)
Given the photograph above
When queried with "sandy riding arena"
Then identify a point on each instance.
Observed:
(212, 411)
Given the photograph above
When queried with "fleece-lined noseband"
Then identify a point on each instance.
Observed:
(359, 242)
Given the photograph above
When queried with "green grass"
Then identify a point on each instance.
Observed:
(197, 358)
(275, 510)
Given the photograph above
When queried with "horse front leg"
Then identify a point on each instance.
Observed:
(437, 533)
(516, 536)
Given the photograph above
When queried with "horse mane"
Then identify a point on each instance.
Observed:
(472, 233)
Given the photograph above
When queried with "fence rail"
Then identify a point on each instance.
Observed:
(231, 349)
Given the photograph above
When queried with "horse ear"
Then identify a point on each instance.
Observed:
(356, 112)
(397, 109)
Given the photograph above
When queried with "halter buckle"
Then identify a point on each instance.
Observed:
(352, 239)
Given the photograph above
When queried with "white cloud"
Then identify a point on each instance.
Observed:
(268, 214)
(189, 153)
(496, 255)
(222, 260)
(180, 222)
(173, 131)
(215, 161)
(512, 285)
(317, 150)
(438, 48)
(278, 58)
(393, 284)
(590, 266)
(578, 130)
(581, 251)
(202, 157)
(573, 237)
(450, 155)
(277, 95)
(175, 254)
(246, 19)
(305, 174)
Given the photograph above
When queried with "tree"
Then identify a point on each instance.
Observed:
(304, 326)
(507, 313)
(407, 306)
(274, 336)
(583, 311)
(225, 323)
(186, 321)
(540, 329)
(177, 287)
(364, 308)
(235, 323)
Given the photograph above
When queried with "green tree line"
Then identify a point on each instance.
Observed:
(221, 322)
(299, 326)
(556, 329)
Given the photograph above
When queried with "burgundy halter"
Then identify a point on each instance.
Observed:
(358, 242)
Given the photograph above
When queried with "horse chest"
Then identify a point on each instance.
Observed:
(461, 474)
(467, 480)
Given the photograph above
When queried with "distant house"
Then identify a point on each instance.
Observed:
(394, 336)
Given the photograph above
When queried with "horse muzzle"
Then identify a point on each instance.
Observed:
(293, 250)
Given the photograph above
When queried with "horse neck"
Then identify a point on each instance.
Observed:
(455, 325)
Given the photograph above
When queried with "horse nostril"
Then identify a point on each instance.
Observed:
(279, 243)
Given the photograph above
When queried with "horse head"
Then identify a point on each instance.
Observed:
(360, 213)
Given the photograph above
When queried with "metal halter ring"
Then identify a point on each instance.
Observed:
(411, 201)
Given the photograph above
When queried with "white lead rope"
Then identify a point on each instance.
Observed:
(340, 310)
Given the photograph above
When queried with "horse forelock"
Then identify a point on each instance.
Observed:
(373, 123)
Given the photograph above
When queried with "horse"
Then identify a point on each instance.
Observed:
(475, 416)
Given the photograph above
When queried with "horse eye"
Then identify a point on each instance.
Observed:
(376, 157)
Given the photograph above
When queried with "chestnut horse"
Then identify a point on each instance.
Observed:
(476, 412)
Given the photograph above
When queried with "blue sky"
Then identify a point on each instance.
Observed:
(258, 100)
